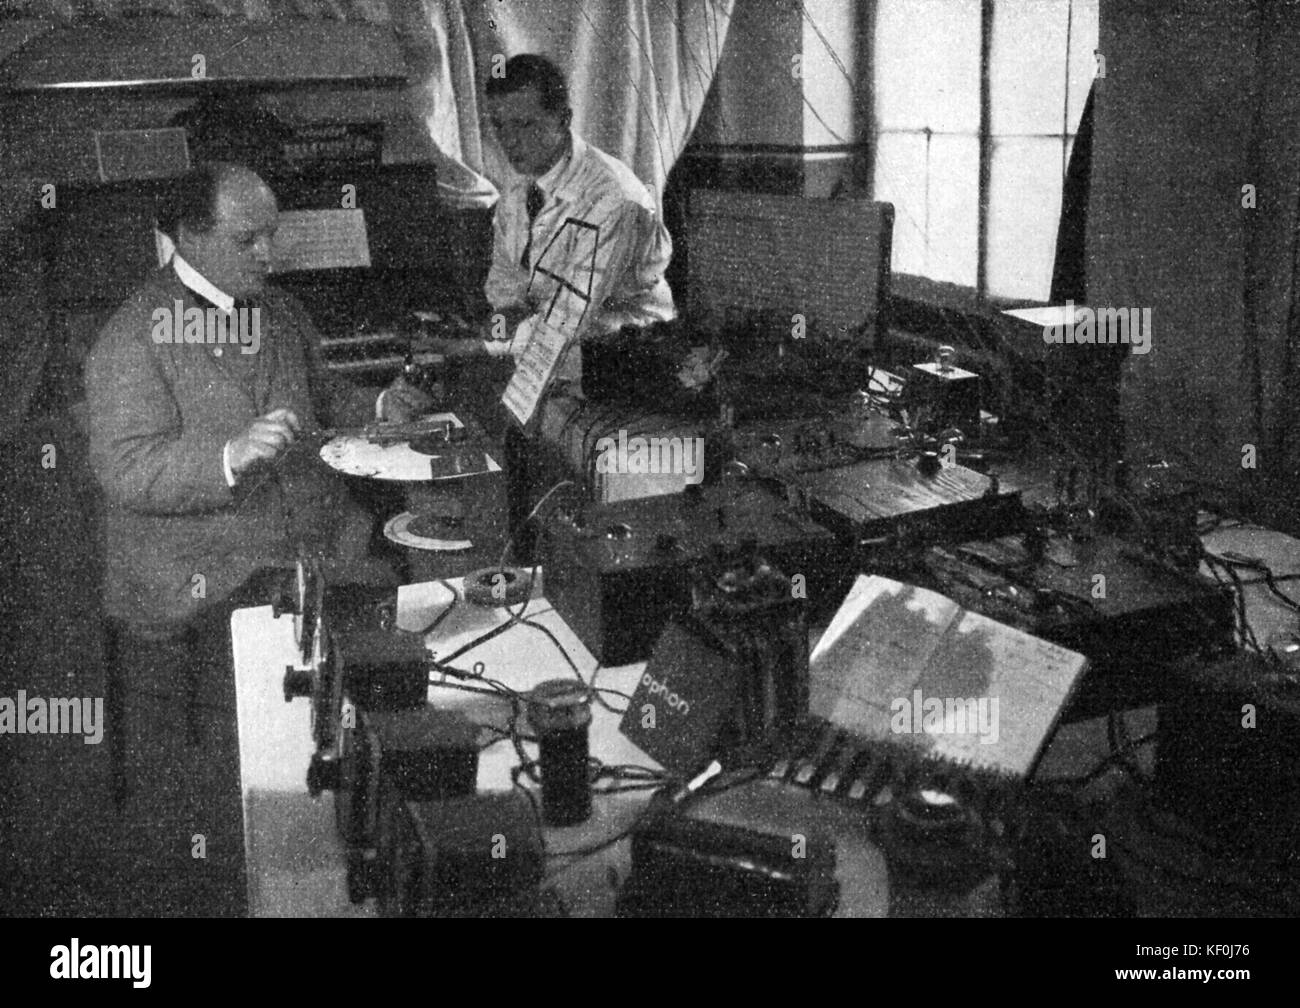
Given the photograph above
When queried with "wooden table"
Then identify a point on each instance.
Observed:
(295, 859)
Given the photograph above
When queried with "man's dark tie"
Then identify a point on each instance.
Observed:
(533, 203)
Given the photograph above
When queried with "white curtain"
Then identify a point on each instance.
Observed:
(638, 70)
(638, 73)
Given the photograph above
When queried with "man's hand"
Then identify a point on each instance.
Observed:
(265, 438)
(404, 402)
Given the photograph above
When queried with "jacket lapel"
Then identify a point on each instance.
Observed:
(225, 362)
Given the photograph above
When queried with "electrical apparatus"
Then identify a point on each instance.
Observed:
(618, 572)
(949, 395)
(893, 501)
(1130, 614)
(1228, 755)
(475, 856)
(701, 860)
(728, 675)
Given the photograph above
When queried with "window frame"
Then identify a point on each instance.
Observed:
(922, 294)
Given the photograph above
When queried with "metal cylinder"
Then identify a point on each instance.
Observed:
(560, 713)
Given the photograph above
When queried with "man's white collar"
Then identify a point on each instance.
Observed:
(199, 284)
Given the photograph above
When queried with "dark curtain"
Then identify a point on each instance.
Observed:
(1070, 273)
(1086, 393)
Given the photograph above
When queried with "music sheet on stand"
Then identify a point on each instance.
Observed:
(562, 281)
(320, 239)
(533, 371)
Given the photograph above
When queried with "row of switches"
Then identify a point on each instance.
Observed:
(827, 759)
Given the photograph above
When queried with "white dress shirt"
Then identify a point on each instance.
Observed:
(598, 243)
(200, 285)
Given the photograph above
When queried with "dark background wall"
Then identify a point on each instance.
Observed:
(1174, 144)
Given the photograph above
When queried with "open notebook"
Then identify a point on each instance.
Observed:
(904, 665)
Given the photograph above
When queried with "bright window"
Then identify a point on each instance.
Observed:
(976, 105)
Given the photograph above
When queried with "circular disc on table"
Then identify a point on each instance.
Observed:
(384, 451)
(358, 456)
(398, 530)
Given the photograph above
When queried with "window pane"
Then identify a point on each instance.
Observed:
(954, 209)
(1027, 66)
(927, 55)
(898, 182)
(934, 189)
(1083, 61)
(1024, 210)
(829, 71)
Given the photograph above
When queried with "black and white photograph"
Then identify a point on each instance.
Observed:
(651, 458)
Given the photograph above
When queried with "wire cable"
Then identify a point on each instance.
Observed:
(505, 550)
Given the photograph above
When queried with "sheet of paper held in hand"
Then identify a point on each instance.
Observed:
(320, 239)
(534, 370)
(562, 279)
(910, 666)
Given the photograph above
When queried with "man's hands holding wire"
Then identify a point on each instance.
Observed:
(263, 440)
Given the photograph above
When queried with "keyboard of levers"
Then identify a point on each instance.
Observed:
(830, 761)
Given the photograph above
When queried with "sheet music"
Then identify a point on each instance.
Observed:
(320, 239)
(905, 665)
(560, 287)
(533, 371)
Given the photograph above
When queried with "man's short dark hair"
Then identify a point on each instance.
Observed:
(192, 199)
(530, 70)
